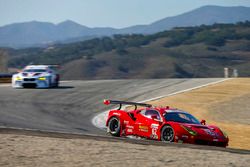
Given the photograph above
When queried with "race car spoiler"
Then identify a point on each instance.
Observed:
(107, 102)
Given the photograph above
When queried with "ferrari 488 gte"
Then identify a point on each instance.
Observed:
(162, 123)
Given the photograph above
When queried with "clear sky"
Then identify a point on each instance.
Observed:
(101, 13)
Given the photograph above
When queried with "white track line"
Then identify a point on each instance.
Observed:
(5, 85)
(99, 120)
(66, 81)
(185, 90)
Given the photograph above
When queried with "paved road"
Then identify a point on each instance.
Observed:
(71, 107)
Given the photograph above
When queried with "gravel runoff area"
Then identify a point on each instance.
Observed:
(30, 151)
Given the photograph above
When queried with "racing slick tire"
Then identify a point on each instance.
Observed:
(57, 84)
(167, 134)
(57, 81)
(114, 126)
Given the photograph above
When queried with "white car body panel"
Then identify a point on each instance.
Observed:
(37, 76)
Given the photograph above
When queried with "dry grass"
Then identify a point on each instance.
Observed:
(225, 104)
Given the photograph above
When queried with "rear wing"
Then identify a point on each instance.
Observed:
(107, 102)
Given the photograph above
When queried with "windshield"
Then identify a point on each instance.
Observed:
(34, 70)
(181, 117)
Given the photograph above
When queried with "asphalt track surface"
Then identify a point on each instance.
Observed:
(71, 107)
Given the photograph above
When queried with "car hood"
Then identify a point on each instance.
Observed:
(205, 130)
(32, 74)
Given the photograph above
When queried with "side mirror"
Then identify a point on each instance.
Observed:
(203, 122)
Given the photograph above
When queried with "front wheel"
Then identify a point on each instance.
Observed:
(167, 133)
(114, 126)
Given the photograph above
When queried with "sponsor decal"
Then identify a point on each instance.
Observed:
(129, 126)
(125, 122)
(143, 128)
(155, 126)
(154, 131)
(130, 130)
(208, 131)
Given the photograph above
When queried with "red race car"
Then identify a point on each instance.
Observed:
(162, 123)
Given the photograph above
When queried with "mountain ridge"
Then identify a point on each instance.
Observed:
(35, 33)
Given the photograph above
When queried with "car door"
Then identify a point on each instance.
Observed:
(147, 123)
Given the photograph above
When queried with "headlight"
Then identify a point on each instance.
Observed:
(224, 133)
(190, 131)
(42, 78)
(18, 78)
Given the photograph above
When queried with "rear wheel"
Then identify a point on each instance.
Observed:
(114, 126)
(57, 80)
(167, 133)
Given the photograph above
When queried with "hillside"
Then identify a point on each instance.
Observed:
(206, 15)
(42, 34)
(182, 52)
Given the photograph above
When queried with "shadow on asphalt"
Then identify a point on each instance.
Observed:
(59, 87)
(63, 87)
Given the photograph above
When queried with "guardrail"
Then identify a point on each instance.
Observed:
(5, 78)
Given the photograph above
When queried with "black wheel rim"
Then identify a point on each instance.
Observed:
(168, 134)
(114, 125)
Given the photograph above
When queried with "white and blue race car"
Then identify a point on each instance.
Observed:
(36, 76)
